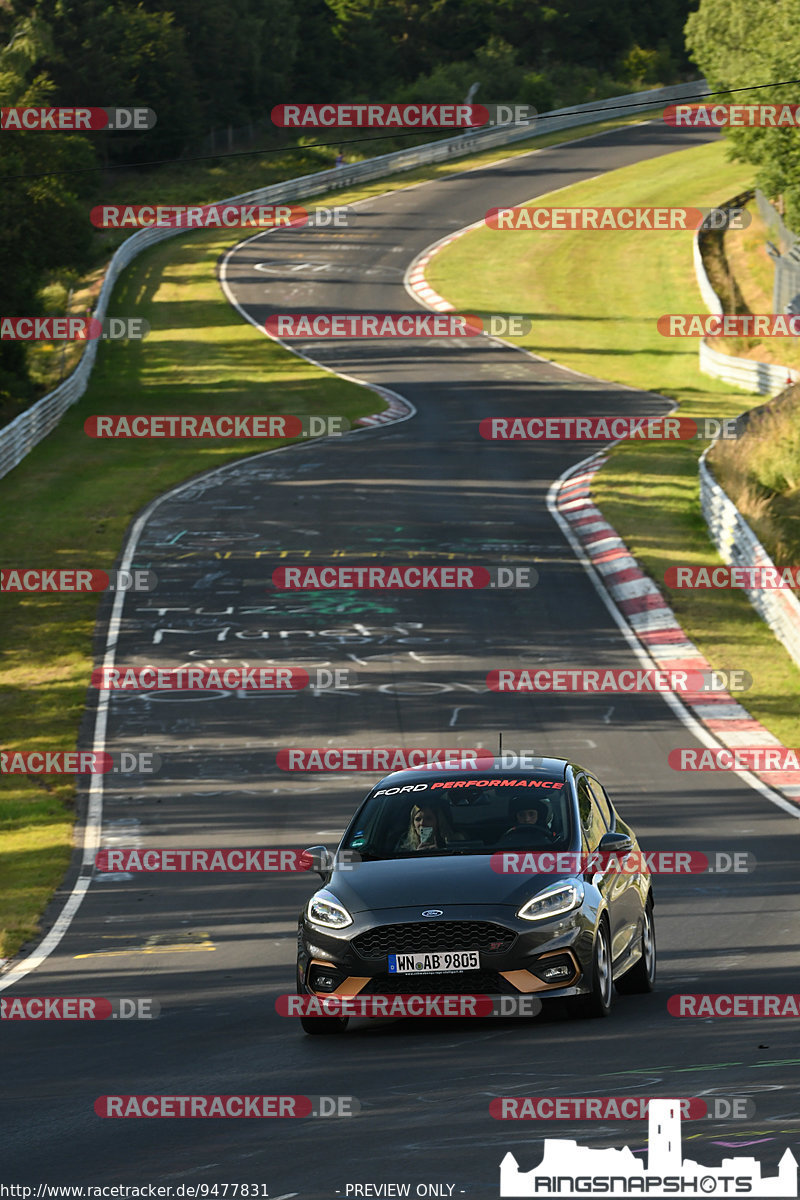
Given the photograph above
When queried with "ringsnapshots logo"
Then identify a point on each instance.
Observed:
(615, 218)
(607, 429)
(72, 329)
(77, 120)
(60, 579)
(141, 425)
(723, 116)
(403, 578)
(618, 681)
(567, 1169)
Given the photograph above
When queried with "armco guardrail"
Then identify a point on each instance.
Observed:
(19, 437)
(745, 373)
(739, 546)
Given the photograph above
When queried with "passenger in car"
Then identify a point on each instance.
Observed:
(424, 832)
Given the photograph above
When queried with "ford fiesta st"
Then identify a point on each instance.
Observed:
(479, 882)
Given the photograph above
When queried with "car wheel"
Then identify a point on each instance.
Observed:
(321, 1025)
(598, 1001)
(642, 975)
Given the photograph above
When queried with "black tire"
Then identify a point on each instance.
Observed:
(642, 976)
(324, 1025)
(598, 1001)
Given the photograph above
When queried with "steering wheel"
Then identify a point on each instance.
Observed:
(525, 834)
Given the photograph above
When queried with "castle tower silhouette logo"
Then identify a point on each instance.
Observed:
(568, 1169)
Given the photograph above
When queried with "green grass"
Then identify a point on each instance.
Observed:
(208, 181)
(72, 498)
(594, 298)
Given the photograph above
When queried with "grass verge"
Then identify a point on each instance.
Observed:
(72, 498)
(594, 299)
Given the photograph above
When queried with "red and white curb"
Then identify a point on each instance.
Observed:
(652, 621)
(415, 281)
(630, 595)
(398, 408)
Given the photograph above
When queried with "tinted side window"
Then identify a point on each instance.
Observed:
(601, 799)
(592, 823)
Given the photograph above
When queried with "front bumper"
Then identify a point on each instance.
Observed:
(550, 957)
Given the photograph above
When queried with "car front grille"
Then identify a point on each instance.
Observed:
(463, 983)
(434, 935)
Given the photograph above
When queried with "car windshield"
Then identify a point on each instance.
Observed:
(462, 817)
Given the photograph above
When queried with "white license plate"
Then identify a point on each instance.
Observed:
(427, 962)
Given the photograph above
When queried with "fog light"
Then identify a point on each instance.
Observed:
(553, 973)
(556, 968)
(324, 979)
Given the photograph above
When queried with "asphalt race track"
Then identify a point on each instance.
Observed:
(216, 950)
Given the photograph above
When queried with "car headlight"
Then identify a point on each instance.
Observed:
(324, 909)
(552, 902)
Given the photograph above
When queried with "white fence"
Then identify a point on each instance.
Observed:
(19, 437)
(739, 546)
(744, 373)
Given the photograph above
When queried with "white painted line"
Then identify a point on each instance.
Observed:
(703, 735)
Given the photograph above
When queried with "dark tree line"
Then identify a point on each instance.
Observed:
(209, 63)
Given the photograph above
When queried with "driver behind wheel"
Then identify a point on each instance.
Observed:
(529, 814)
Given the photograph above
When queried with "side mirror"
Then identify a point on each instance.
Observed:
(615, 843)
(321, 860)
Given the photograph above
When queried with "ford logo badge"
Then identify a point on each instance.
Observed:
(433, 912)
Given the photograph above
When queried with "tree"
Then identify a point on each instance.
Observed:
(741, 43)
(45, 223)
